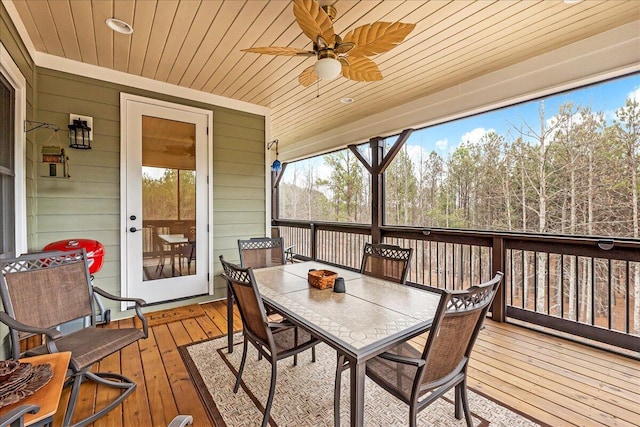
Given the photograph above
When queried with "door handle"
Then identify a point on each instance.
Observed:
(133, 229)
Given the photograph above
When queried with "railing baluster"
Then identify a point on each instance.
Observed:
(593, 292)
(611, 295)
(627, 304)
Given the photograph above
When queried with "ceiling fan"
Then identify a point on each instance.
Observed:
(347, 56)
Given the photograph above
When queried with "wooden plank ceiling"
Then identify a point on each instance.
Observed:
(197, 44)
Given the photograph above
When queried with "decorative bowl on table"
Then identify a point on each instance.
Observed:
(8, 367)
(25, 380)
(322, 279)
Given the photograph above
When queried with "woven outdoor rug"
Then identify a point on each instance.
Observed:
(304, 393)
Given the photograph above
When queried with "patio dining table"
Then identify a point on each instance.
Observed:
(372, 316)
(175, 242)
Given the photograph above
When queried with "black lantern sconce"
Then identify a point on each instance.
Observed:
(79, 134)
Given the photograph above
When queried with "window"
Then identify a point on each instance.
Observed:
(565, 164)
(333, 187)
(7, 170)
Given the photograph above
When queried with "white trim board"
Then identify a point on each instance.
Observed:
(57, 63)
(10, 70)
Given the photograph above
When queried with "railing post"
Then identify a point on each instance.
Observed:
(377, 190)
(314, 242)
(498, 258)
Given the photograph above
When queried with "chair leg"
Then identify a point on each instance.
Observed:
(71, 406)
(464, 402)
(313, 354)
(101, 378)
(244, 359)
(457, 402)
(272, 392)
(413, 415)
(336, 390)
(295, 356)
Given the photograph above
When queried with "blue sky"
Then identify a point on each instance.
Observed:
(444, 138)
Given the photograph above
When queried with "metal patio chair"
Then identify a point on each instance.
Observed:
(260, 252)
(388, 262)
(15, 417)
(420, 377)
(46, 293)
(274, 341)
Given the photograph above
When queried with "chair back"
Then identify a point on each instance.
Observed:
(261, 252)
(454, 331)
(245, 291)
(46, 289)
(388, 262)
(178, 227)
(189, 248)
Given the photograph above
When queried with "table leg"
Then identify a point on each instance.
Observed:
(229, 320)
(173, 261)
(357, 393)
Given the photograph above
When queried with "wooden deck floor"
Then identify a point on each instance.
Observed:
(555, 381)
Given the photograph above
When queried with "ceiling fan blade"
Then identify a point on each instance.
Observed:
(361, 70)
(274, 50)
(308, 77)
(379, 37)
(313, 20)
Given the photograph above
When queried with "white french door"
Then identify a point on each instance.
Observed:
(164, 187)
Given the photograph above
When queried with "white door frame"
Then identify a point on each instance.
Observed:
(125, 100)
(12, 73)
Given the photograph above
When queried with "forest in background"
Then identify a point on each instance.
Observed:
(168, 194)
(572, 172)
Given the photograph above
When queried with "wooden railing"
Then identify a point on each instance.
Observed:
(583, 286)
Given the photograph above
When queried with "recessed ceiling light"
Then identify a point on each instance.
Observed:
(571, 1)
(347, 100)
(119, 25)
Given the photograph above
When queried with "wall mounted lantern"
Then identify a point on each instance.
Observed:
(80, 132)
(276, 166)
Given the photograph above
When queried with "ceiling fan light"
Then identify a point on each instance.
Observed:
(327, 68)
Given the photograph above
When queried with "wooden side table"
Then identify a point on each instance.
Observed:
(48, 397)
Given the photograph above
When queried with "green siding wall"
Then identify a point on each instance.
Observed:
(88, 204)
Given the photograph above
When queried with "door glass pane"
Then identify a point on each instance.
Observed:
(168, 198)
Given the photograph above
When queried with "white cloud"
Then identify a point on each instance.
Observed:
(417, 154)
(323, 171)
(442, 144)
(635, 95)
(474, 136)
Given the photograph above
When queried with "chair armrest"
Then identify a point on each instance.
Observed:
(402, 359)
(279, 325)
(288, 253)
(107, 295)
(181, 421)
(17, 414)
(138, 307)
(14, 324)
